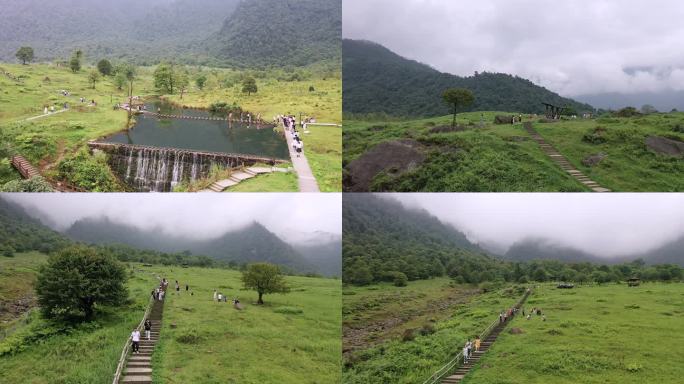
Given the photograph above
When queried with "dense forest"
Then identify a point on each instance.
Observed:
(378, 81)
(385, 241)
(276, 32)
(21, 232)
(244, 33)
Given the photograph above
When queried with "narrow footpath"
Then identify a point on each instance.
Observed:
(307, 181)
(138, 367)
(562, 161)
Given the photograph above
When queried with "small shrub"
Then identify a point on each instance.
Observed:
(595, 136)
(408, 335)
(427, 329)
(634, 367)
(400, 280)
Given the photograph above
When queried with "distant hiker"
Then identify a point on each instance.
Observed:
(45, 111)
(523, 311)
(469, 345)
(215, 295)
(220, 297)
(543, 317)
(529, 316)
(148, 328)
(465, 354)
(477, 343)
(187, 287)
(298, 147)
(177, 287)
(135, 338)
(500, 317)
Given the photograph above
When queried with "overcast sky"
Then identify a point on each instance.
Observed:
(291, 216)
(603, 224)
(572, 47)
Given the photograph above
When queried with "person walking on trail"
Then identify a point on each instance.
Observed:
(215, 295)
(187, 287)
(465, 354)
(177, 287)
(477, 343)
(135, 338)
(469, 345)
(148, 328)
(500, 317)
(299, 146)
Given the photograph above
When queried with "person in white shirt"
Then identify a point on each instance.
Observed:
(465, 354)
(299, 146)
(135, 338)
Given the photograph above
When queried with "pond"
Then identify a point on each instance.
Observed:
(201, 135)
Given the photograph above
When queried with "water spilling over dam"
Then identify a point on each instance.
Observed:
(158, 169)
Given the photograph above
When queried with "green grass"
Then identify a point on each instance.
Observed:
(46, 141)
(630, 165)
(17, 276)
(48, 353)
(388, 359)
(593, 334)
(271, 182)
(503, 158)
(293, 338)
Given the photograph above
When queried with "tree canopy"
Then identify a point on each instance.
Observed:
(25, 54)
(76, 280)
(249, 86)
(458, 97)
(264, 278)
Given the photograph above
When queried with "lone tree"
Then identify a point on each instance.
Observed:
(264, 278)
(201, 81)
(25, 54)
(165, 78)
(94, 77)
(249, 86)
(458, 97)
(105, 67)
(182, 81)
(76, 280)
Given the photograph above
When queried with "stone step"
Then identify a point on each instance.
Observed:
(136, 379)
(138, 371)
(141, 364)
(139, 358)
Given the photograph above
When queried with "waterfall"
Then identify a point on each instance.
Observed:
(161, 169)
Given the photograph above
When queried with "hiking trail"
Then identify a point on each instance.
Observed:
(138, 367)
(447, 374)
(562, 161)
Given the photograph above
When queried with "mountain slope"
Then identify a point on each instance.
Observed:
(377, 80)
(250, 244)
(327, 256)
(124, 29)
(381, 237)
(20, 232)
(540, 249)
(280, 32)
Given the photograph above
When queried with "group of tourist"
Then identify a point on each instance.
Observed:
(290, 125)
(535, 311)
(505, 315)
(159, 292)
(187, 289)
(468, 348)
(220, 297)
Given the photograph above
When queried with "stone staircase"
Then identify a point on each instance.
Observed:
(562, 161)
(240, 176)
(138, 368)
(463, 370)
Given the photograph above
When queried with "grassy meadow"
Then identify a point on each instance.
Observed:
(37, 351)
(440, 317)
(592, 334)
(51, 140)
(292, 338)
(484, 157)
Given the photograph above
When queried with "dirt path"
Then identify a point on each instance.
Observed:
(562, 161)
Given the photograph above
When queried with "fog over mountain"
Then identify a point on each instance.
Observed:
(567, 226)
(573, 47)
(293, 218)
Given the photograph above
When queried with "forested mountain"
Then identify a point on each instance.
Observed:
(376, 80)
(382, 237)
(245, 33)
(20, 233)
(277, 32)
(254, 243)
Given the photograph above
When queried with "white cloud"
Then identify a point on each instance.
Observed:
(572, 47)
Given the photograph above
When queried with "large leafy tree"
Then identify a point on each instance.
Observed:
(25, 54)
(458, 97)
(264, 278)
(76, 280)
(165, 78)
(94, 77)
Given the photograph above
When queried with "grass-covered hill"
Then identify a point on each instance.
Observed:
(479, 156)
(249, 33)
(378, 81)
(280, 32)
